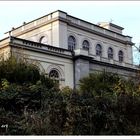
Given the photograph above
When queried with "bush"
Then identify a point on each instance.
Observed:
(16, 71)
(32, 104)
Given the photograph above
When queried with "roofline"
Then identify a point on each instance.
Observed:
(92, 60)
(12, 37)
(101, 27)
(35, 20)
(75, 18)
(4, 38)
(98, 33)
(93, 31)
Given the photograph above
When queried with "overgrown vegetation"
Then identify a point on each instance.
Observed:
(32, 104)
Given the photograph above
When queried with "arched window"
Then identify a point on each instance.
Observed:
(121, 56)
(110, 53)
(71, 43)
(43, 40)
(85, 45)
(98, 49)
(54, 75)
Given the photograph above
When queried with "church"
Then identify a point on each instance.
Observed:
(68, 48)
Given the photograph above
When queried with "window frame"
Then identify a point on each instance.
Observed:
(99, 49)
(110, 53)
(71, 43)
(121, 56)
(84, 45)
(56, 72)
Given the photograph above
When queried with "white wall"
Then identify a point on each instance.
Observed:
(57, 33)
(46, 61)
(106, 43)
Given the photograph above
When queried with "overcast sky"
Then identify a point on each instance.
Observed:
(122, 13)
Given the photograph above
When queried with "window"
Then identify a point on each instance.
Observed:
(85, 45)
(110, 53)
(98, 49)
(43, 40)
(120, 55)
(71, 43)
(54, 75)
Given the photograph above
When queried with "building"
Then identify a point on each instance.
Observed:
(69, 48)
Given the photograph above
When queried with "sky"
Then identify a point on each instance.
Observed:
(123, 13)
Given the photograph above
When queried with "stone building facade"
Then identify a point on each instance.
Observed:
(69, 48)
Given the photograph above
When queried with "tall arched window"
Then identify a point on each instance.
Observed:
(85, 45)
(54, 75)
(110, 53)
(121, 56)
(98, 50)
(71, 43)
(43, 40)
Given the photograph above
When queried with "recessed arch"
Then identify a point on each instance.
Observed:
(58, 68)
(86, 44)
(72, 41)
(43, 39)
(121, 56)
(55, 72)
(110, 53)
(99, 49)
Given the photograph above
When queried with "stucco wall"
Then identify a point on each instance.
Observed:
(57, 32)
(46, 62)
(93, 39)
(122, 72)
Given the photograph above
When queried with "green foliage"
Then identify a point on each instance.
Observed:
(116, 101)
(18, 71)
(99, 83)
(33, 104)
